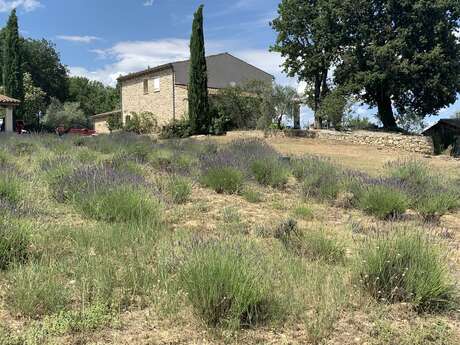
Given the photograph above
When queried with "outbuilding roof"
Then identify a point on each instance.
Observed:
(5, 100)
(447, 122)
(223, 70)
(102, 115)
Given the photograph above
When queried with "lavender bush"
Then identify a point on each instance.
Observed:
(240, 155)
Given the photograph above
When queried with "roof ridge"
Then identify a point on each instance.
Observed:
(171, 64)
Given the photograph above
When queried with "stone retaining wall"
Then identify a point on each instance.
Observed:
(409, 143)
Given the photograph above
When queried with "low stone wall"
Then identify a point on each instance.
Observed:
(409, 143)
(395, 141)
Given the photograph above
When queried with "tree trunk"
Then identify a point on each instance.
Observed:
(296, 116)
(278, 122)
(324, 86)
(318, 120)
(386, 112)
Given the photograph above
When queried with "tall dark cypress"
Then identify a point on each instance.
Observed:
(12, 62)
(198, 79)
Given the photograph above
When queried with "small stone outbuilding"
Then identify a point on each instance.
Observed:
(9, 104)
(100, 121)
(445, 134)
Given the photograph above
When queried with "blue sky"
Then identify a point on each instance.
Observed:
(101, 39)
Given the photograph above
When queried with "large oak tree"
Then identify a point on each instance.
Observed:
(397, 55)
(309, 38)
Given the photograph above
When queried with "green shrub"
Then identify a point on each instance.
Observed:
(23, 148)
(115, 122)
(86, 156)
(161, 158)
(176, 129)
(223, 180)
(383, 202)
(66, 114)
(225, 287)
(142, 123)
(432, 206)
(8, 337)
(89, 318)
(406, 267)
(411, 172)
(321, 185)
(119, 205)
(312, 244)
(5, 157)
(231, 215)
(10, 189)
(252, 195)
(139, 151)
(14, 245)
(179, 189)
(306, 166)
(36, 290)
(270, 172)
(320, 178)
(317, 245)
(303, 212)
(426, 332)
(114, 267)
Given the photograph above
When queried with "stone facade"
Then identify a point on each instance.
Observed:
(100, 125)
(169, 102)
(181, 94)
(158, 102)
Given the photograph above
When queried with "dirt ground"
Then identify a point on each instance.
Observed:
(360, 157)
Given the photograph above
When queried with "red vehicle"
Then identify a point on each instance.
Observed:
(82, 131)
(76, 130)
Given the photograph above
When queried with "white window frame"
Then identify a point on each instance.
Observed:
(156, 84)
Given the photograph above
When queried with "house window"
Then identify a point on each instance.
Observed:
(146, 86)
(156, 84)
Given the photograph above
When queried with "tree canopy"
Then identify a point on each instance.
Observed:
(33, 72)
(399, 56)
(44, 64)
(309, 39)
(34, 102)
(64, 114)
(93, 96)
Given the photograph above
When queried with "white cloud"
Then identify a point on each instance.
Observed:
(132, 56)
(149, 2)
(79, 39)
(27, 5)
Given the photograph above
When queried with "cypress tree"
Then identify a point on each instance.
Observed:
(12, 64)
(198, 79)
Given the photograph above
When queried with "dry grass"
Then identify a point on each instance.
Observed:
(359, 320)
(360, 157)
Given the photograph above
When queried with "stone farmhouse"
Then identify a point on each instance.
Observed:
(162, 90)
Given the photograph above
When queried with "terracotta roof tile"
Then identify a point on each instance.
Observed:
(8, 100)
